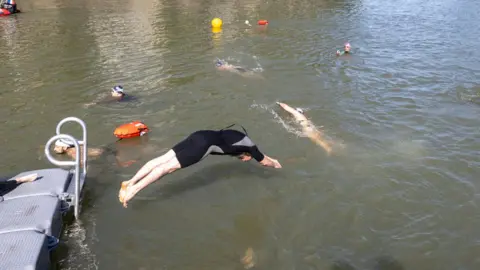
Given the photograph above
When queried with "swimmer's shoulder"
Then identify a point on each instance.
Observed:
(127, 98)
(241, 69)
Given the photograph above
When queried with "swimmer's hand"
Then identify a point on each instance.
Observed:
(27, 178)
(288, 108)
(338, 52)
(270, 162)
(283, 105)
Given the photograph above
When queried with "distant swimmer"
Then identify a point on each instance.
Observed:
(223, 65)
(308, 127)
(117, 94)
(8, 7)
(476, 100)
(191, 150)
(346, 50)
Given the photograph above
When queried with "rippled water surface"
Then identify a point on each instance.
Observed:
(403, 111)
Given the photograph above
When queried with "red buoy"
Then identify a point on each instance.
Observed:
(262, 22)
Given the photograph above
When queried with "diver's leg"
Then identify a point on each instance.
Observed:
(184, 154)
(149, 166)
(153, 176)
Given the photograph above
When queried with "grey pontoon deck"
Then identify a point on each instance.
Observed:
(31, 215)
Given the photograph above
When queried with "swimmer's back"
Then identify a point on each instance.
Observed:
(219, 137)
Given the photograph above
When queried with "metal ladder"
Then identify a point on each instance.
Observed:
(79, 174)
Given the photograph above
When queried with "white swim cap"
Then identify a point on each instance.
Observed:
(118, 89)
(64, 143)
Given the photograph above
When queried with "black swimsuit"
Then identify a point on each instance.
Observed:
(7, 185)
(222, 142)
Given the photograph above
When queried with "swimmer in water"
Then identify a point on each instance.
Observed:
(308, 128)
(223, 65)
(117, 94)
(63, 146)
(67, 147)
(8, 7)
(346, 50)
(191, 150)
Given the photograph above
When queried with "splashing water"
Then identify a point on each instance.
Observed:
(83, 258)
(236, 61)
(287, 125)
(293, 128)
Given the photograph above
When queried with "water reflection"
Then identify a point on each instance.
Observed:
(379, 263)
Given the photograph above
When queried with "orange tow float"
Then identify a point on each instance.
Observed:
(262, 22)
(131, 130)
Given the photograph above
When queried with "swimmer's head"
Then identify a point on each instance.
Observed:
(347, 47)
(117, 91)
(8, 3)
(62, 145)
(220, 64)
(299, 110)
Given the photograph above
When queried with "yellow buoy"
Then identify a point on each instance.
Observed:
(217, 23)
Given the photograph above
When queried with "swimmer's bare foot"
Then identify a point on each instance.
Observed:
(129, 194)
(248, 260)
(27, 178)
(123, 190)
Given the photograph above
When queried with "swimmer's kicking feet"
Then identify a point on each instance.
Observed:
(223, 65)
(190, 151)
(308, 127)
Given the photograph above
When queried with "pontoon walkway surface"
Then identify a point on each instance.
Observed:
(31, 214)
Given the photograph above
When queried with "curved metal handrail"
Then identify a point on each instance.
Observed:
(82, 142)
(75, 163)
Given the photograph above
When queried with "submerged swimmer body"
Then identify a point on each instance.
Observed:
(308, 128)
(66, 147)
(223, 65)
(116, 95)
(191, 150)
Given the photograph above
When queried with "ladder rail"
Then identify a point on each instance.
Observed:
(75, 163)
(82, 142)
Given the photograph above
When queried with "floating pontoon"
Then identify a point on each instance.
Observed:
(31, 215)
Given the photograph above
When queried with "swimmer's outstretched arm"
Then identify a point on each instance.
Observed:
(314, 135)
(298, 116)
(260, 157)
(27, 178)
